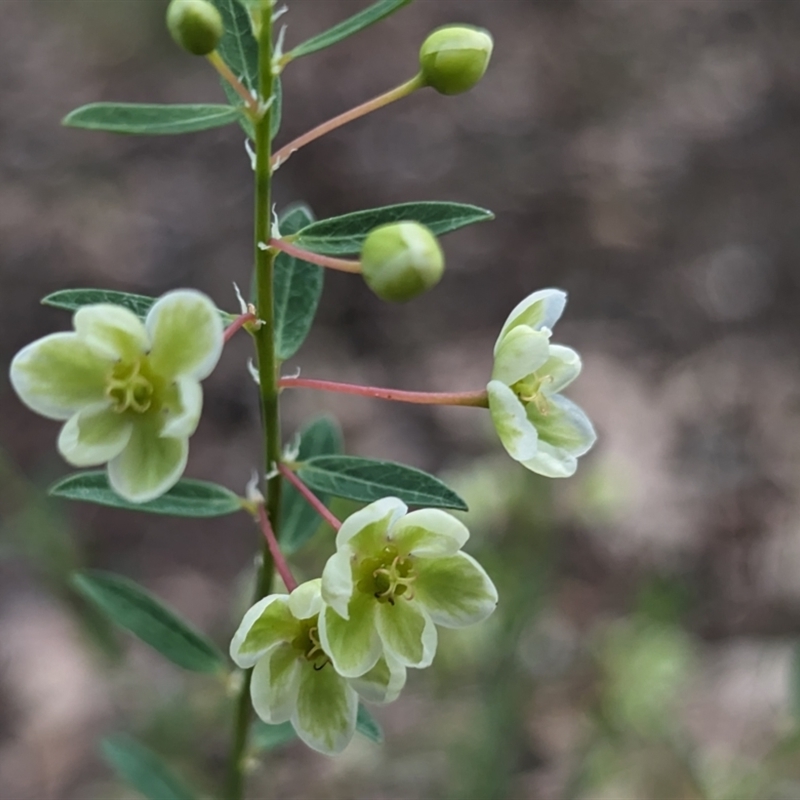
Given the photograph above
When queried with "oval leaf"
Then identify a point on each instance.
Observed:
(369, 16)
(238, 47)
(345, 235)
(73, 299)
(149, 119)
(131, 607)
(143, 770)
(298, 288)
(299, 521)
(365, 480)
(368, 726)
(188, 498)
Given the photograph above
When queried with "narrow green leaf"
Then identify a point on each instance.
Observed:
(363, 19)
(269, 737)
(299, 521)
(187, 498)
(368, 726)
(132, 608)
(365, 480)
(143, 770)
(238, 47)
(73, 299)
(298, 288)
(148, 119)
(345, 235)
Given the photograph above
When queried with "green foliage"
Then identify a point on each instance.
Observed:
(143, 770)
(73, 299)
(363, 19)
(238, 47)
(132, 608)
(368, 726)
(266, 737)
(188, 498)
(150, 119)
(297, 289)
(345, 235)
(365, 480)
(299, 521)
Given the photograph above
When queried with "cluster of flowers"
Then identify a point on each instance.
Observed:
(129, 394)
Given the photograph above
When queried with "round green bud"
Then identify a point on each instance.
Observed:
(454, 58)
(401, 260)
(195, 25)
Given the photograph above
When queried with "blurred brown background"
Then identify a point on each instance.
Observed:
(642, 154)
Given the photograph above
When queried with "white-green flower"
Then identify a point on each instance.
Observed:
(537, 425)
(128, 390)
(393, 576)
(294, 679)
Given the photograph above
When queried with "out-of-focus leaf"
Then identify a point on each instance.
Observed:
(131, 607)
(143, 770)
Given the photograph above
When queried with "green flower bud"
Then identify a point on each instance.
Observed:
(454, 58)
(195, 25)
(401, 260)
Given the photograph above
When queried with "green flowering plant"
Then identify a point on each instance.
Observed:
(128, 389)
(126, 384)
(394, 575)
(539, 427)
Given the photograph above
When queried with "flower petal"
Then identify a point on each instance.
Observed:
(352, 644)
(455, 591)
(429, 532)
(365, 531)
(565, 433)
(521, 352)
(93, 436)
(327, 707)
(149, 466)
(305, 601)
(112, 331)
(539, 310)
(183, 409)
(516, 432)
(407, 632)
(563, 366)
(59, 375)
(275, 684)
(266, 625)
(383, 683)
(186, 333)
(337, 582)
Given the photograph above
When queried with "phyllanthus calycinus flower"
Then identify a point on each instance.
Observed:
(293, 677)
(195, 25)
(455, 57)
(128, 390)
(393, 576)
(538, 426)
(401, 260)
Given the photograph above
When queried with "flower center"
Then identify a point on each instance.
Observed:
(530, 390)
(129, 387)
(307, 642)
(387, 576)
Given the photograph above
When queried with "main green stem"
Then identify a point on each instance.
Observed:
(268, 374)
